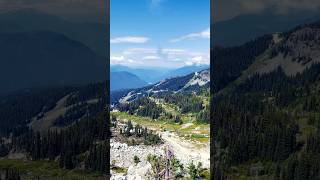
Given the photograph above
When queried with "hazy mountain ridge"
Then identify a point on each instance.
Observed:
(232, 32)
(46, 58)
(125, 80)
(153, 75)
(24, 20)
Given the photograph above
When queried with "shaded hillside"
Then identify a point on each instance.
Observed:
(90, 34)
(36, 59)
(44, 108)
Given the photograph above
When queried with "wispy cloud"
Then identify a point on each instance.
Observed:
(205, 34)
(198, 60)
(151, 58)
(139, 51)
(129, 39)
(161, 57)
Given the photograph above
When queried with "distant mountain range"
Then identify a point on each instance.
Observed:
(243, 28)
(192, 82)
(153, 75)
(125, 80)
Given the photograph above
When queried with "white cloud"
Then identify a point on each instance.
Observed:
(117, 58)
(151, 58)
(198, 60)
(164, 57)
(129, 39)
(193, 36)
(140, 51)
(173, 51)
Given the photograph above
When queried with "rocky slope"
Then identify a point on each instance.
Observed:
(191, 82)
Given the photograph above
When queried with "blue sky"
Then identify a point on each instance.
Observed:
(163, 33)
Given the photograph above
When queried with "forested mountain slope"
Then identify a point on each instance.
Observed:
(265, 116)
(64, 128)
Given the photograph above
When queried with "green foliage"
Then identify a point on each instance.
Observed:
(136, 159)
(142, 107)
(177, 168)
(44, 169)
(4, 150)
(187, 102)
(97, 159)
(204, 116)
(195, 171)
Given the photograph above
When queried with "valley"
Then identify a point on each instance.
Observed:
(172, 112)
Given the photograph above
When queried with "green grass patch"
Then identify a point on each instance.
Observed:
(119, 169)
(164, 125)
(47, 170)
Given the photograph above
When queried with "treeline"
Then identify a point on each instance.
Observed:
(149, 137)
(19, 108)
(96, 91)
(204, 116)
(285, 90)
(171, 118)
(142, 107)
(10, 174)
(69, 144)
(187, 102)
(87, 101)
(304, 165)
(230, 62)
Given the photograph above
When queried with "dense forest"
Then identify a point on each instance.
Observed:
(263, 119)
(143, 107)
(231, 61)
(19, 108)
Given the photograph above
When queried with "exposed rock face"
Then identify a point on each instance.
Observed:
(122, 154)
(294, 52)
(199, 79)
(118, 176)
(141, 171)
